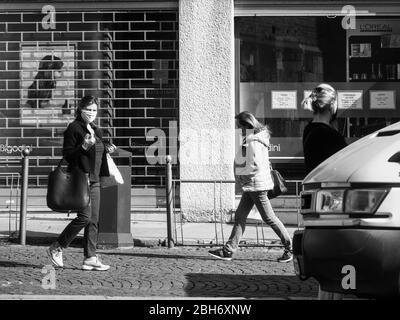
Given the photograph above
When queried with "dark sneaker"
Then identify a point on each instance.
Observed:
(286, 257)
(221, 254)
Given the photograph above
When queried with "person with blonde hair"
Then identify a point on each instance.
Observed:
(320, 138)
(252, 172)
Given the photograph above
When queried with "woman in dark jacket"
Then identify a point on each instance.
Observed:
(85, 148)
(320, 139)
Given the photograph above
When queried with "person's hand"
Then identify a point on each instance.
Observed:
(89, 139)
(90, 129)
(111, 148)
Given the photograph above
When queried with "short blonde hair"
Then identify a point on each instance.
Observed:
(323, 97)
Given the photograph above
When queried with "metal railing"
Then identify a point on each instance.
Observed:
(24, 195)
(11, 202)
(177, 227)
(23, 179)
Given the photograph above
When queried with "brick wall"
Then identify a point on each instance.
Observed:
(128, 59)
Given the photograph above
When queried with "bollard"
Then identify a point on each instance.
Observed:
(168, 185)
(24, 191)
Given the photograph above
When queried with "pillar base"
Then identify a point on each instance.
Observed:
(115, 240)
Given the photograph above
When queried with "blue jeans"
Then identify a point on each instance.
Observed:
(260, 199)
(87, 219)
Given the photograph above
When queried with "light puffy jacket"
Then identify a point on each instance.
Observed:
(252, 166)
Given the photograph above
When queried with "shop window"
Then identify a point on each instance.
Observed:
(280, 59)
(291, 49)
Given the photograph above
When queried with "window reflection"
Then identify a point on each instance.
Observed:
(295, 53)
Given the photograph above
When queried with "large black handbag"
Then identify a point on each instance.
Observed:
(67, 190)
(279, 184)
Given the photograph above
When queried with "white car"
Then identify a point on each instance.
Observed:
(350, 242)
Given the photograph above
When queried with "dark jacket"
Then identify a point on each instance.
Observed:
(320, 141)
(74, 153)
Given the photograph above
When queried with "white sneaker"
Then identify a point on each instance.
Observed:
(94, 263)
(55, 254)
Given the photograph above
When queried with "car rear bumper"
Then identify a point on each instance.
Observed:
(374, 254)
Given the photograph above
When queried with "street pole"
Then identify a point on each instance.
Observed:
(24, 191)
(168, 185)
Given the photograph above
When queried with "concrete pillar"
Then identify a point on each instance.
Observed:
(206, 97)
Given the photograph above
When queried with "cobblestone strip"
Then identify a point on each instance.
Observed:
(158, 272)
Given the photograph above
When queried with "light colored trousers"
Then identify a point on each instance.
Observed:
(260, 199)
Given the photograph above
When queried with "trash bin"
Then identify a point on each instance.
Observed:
(115, 207)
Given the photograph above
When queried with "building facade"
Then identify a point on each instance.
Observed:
(171, 75)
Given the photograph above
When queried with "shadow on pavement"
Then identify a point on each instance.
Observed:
(35, 238)
(249, 286)
(13, 264)
(203, 256)
(46, 238)
(157, 255)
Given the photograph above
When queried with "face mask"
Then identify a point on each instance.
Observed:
(88, 116)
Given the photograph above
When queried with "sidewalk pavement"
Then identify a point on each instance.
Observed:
(45, 227)
(148, 270)
(150, 273)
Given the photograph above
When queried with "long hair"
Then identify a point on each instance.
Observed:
(248, 120)
(322, 98)
(43, 83)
